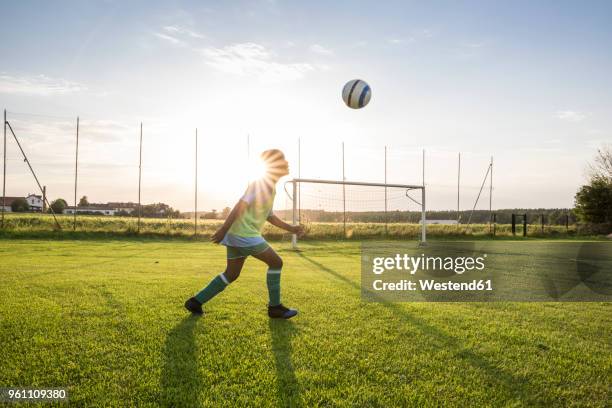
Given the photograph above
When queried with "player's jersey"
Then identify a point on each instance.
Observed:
(260, 198)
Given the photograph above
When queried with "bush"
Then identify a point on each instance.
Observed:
(58, 206)
(20, 205)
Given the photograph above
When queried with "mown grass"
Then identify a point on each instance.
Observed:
(42, 225)
(104, 318)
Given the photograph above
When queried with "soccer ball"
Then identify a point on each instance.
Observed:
(356, 94)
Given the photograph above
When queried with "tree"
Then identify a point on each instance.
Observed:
(594, 201)
(58, 206)
(20, 205)
(601, 168)
(83, 202)
(159, 210)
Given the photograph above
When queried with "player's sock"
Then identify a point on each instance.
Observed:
(214, 288)
(273, 280)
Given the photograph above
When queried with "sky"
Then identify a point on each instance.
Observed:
(527, 83)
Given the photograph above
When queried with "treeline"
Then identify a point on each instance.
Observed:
(552, 216)
(156, 210)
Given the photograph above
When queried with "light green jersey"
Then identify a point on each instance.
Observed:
(260, 198)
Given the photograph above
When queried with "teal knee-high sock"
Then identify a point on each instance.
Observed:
(273, 280)
(214, 288)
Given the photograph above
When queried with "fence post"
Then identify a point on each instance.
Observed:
(423, 220)
(386, 200)
(4, 172)
(195, 208)
(343, 195)
(494, 224)
(139, 178)
(76, 175)
(294, 215)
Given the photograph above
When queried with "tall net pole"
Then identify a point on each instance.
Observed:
(386, 216)
(491, 196)
(458, 188)
(195, 212)
(76, 175)
(139, 178)
(299, 176)
(343, 194)
(294, 215)
(423, 216)
(4, 172)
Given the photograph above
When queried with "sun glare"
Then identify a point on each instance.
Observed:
(256, 169)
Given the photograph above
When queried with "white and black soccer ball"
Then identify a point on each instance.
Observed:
(356, 94)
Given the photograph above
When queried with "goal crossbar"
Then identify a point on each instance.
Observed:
(355, 183)
(294, 182)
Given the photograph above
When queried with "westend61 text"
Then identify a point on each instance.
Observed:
(431, 285)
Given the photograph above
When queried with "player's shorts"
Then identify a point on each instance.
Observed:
(242, 252)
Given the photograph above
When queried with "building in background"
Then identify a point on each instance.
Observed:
(113, 208)
(35, 202)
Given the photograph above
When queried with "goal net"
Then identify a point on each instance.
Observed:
(347, 209)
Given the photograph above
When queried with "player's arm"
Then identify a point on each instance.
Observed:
(236, 212)
(277, 222)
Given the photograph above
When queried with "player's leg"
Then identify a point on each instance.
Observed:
(273, 279)
(216, 286)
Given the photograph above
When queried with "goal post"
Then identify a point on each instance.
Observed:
(296, 184)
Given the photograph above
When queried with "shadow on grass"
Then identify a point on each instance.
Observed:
(287, 386)
(180, 379)
(515, 386)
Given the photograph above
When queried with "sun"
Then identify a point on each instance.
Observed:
(255, 169)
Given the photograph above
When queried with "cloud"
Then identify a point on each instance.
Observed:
(172, 40)
(183, 31)
(250, 59)
(319, 49)
(178, 36)
(41, 85)
(571, 116)
(242, 59)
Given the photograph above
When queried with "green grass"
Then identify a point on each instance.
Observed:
(105, 319)
(42, 226)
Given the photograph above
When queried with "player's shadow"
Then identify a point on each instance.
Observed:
(287, 386)
(440, 339)
(180, 377)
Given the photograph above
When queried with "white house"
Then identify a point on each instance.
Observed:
(102, 209)
(35, 202)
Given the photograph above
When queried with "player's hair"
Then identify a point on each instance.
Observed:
(272, 155)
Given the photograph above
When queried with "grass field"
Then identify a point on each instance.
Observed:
(29, 225)
(105, 319)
